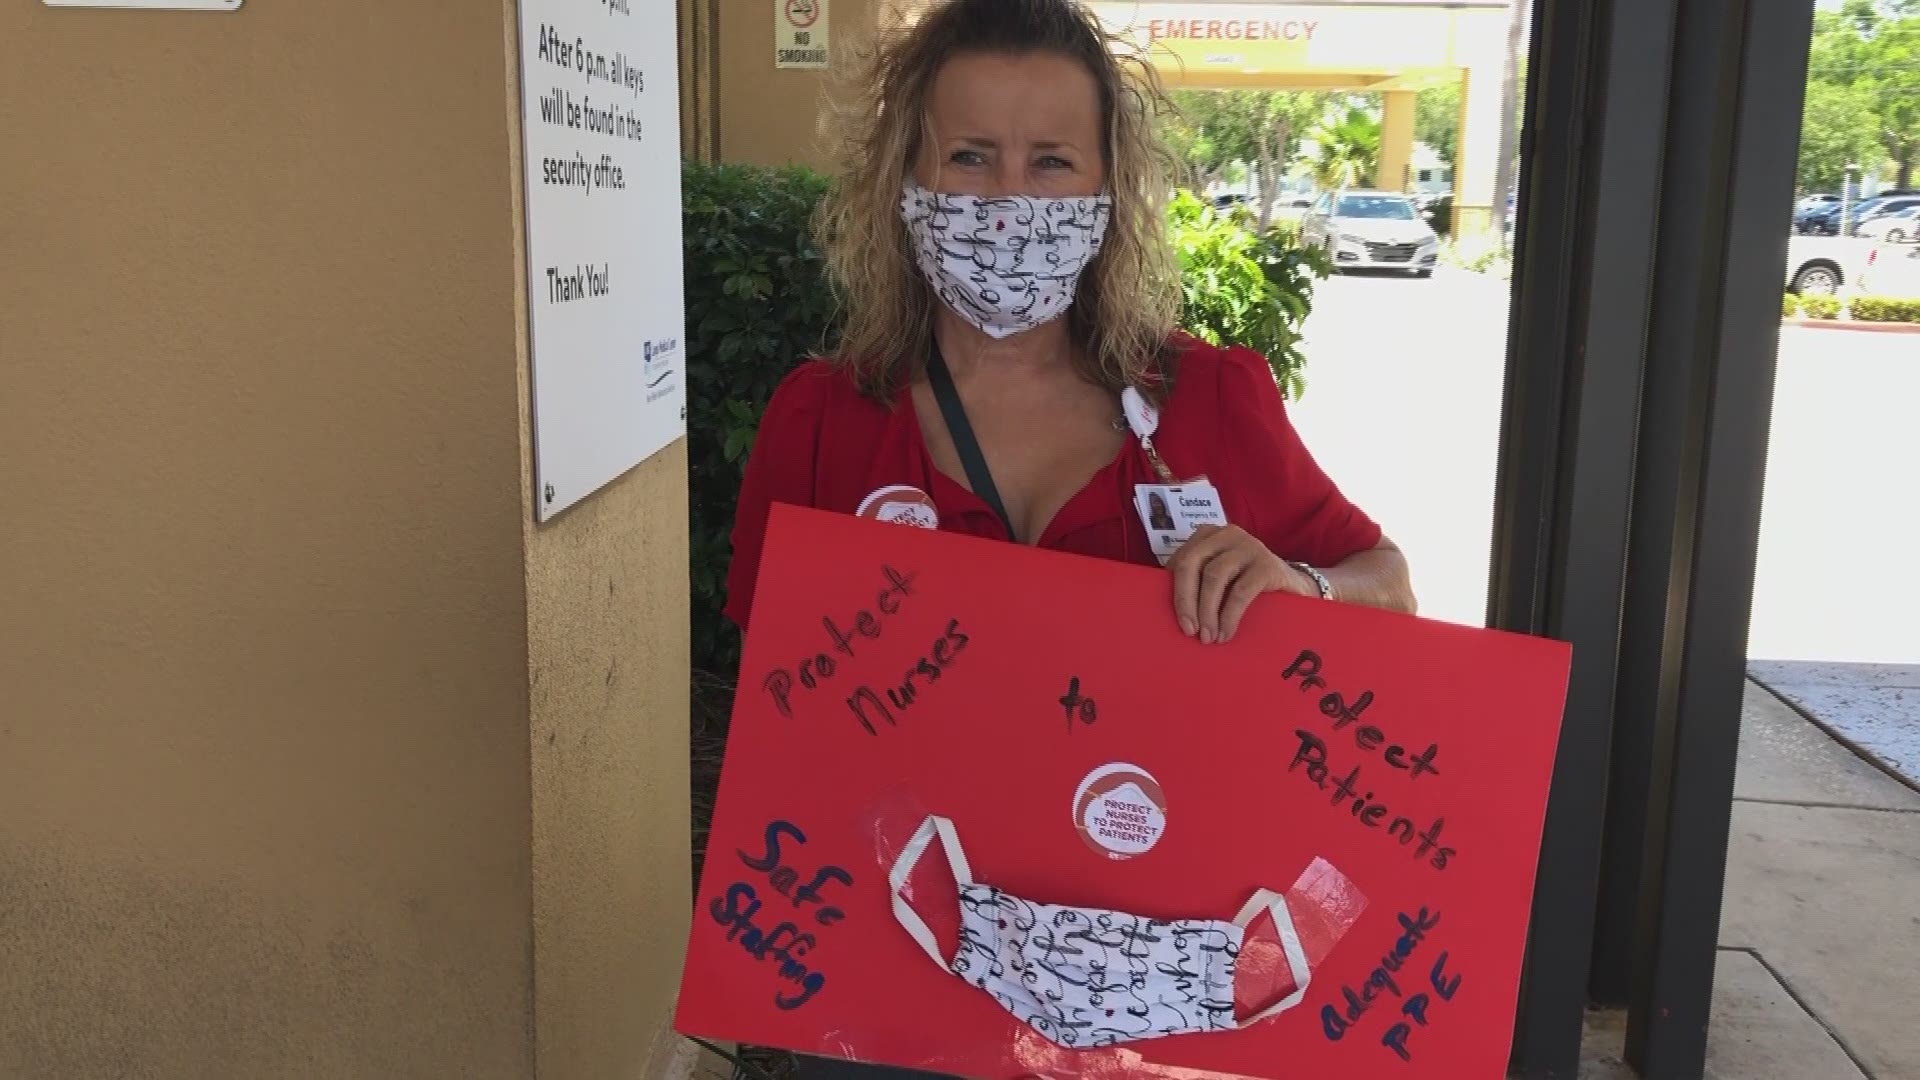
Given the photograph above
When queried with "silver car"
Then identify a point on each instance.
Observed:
(1372, 230)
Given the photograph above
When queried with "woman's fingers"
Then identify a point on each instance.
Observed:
(1216, 575)
(1239, 598)
(1187, 565)
(1216, 578)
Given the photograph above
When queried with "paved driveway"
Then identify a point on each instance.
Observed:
(1838, 577)
(1403, 408)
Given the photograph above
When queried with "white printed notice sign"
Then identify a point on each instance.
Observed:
(600, 124)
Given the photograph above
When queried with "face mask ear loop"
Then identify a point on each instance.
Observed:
(923, 837)
(1269, 901)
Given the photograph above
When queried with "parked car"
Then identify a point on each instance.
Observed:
(1809, 206)
(1892, 271)
(1822, 266)
(1826, 222)
(1380, 230)
(1899, 227)
(1292, 207)
(1887, 207)
(1231, 199)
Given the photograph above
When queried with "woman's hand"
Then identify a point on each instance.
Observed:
(1216, 575)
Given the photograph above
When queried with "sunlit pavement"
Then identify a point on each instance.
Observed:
(1838, 577)
(1403, 409)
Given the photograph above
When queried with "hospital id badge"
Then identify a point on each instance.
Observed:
(1171, 513)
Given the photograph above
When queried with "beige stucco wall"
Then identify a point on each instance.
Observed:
(697, 27)
(607, 597)
(769, 115)
(317, 759)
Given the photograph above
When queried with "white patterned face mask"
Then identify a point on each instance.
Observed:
(1004, 264)
(1084, 977)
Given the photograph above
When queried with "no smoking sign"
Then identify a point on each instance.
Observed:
(800, 34)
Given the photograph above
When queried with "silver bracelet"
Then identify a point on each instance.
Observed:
(1320, 579)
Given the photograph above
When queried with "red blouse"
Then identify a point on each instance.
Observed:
(822, 444)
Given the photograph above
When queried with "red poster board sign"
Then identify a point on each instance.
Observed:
(1385, 776)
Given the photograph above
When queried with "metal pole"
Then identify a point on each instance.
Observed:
(1509, 115)
(1592, 160)
(1846, 198)
(1715, 418)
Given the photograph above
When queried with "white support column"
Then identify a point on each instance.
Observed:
(1479, 150)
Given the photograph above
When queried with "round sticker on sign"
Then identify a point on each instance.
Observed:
(900, 504)
(1120, 811)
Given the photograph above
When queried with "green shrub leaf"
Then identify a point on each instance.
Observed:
(1884, 309)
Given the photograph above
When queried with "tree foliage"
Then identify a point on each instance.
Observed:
(1436, 119)
(1840, 128)
(1261, 128)
(1349, 149)
(1245, 287)
(1866, 56)
(1198, 134)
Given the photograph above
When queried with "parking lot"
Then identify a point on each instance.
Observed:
(1403, 409)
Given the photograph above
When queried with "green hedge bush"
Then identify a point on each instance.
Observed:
(1244, 287)
(1789, 306)
(1884, 309)
(757, 305)
(1820, 307)
(1477, 254)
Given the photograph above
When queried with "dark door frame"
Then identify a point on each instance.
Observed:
(1657, 162)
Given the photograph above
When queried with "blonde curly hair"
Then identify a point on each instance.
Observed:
(1128, 300)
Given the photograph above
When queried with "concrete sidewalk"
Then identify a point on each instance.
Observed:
(1819, 971)
(1872, 709)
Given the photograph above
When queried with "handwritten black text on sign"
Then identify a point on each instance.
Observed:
(1313, 760)
(842, 647)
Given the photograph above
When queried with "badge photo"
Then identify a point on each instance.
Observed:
(900, 504)
(1171, 513)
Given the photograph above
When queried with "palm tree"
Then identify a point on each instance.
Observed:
(1349, 149)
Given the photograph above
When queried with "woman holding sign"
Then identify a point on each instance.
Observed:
(1011, 366)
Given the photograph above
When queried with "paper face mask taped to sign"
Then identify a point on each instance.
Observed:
(1086, 977)
(1100, 765)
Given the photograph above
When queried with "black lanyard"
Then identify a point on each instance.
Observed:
(964, 443)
